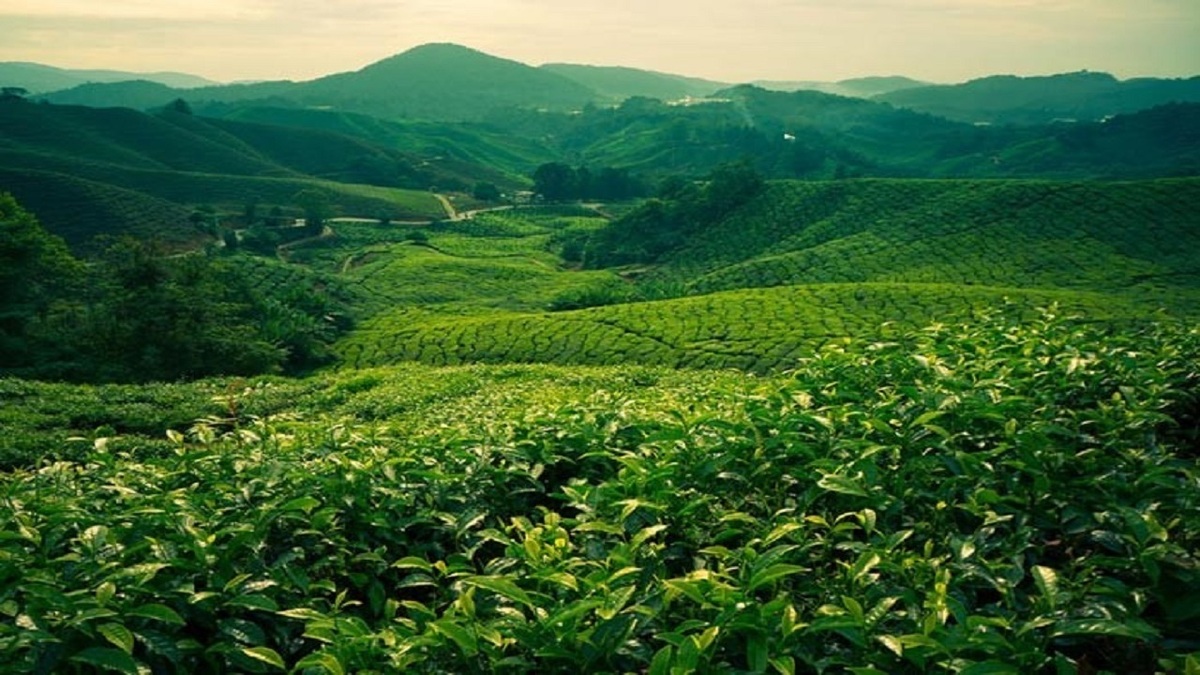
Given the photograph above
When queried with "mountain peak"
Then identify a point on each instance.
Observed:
(446, 80)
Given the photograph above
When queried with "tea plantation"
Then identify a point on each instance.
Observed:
(998, 495)
(864, 426)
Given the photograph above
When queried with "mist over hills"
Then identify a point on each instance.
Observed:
(38, 78)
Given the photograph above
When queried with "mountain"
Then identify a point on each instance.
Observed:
(488, 153)
(861, 87)
(443, 81)
(38, 78)
(1008, 99)
(136, 94)
(618, 84)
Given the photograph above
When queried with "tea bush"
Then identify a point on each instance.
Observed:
(997, 495)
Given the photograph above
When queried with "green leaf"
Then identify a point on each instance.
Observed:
(105, 592)
(689, 588)
(118, 635)
(706, 639)
(785, 665)
(990, 668)
(893, 645)
(772, 574)
(305, 504)
(324, 660)
(461, 636)
(1047, 583)
(757, 652)
(781, 531)
(502, 586)
(413, 562)
(842, 485)
(157, 612)
(661, 663)
(108, 659)
(1131, 628)
(302, 614)
(254, 601)
(266, 655)
(865, 563)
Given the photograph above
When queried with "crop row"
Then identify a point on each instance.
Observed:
(758, 330)
(1008, 232)
(79, 210)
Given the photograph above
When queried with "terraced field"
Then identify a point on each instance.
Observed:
(491, 262)
(759, 330)
(803, 265)
(1098, 236)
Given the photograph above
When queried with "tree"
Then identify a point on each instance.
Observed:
(730, 186)
(316, 207)
(555, 182)
(486, 192)
(180, 106)
(36, 269)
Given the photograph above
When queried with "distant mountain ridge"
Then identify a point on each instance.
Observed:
(859, 87)
(620, 83)
(38, 78)
(1009, 99)
(450, 83)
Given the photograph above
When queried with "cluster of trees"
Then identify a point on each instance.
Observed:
(558, 182)
(135, 314)
(679, 208)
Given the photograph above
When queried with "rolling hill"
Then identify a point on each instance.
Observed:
(175, 161)
(802, 265)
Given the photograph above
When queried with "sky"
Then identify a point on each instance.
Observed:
(729, 41)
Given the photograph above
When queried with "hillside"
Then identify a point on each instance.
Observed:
(1007, 99)
(140, 170)
(38, 78)
(801, 265)
(809, 134)
(1111, 237)
(617, 84)
(79, 210)
(490, 153)
(445, 82)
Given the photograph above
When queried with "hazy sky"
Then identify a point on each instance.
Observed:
(732, 40)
